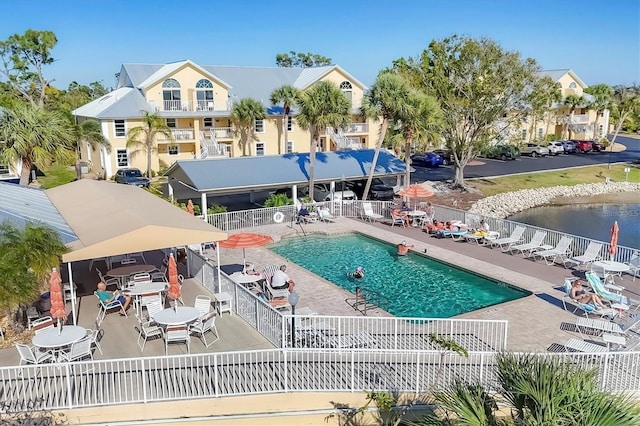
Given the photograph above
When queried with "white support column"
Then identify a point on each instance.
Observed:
(218, 260)
(294, 193)
(203, 206)
(73, 295)
(332, 188)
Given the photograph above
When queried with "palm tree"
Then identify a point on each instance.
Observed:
(152, 125)
(34, 136)
(573, 102)
(386, 99)
(244, 115)
(626, 100)
(288, 96)
(90, 132)
(321, 106)
(602, 100)
(421, 119)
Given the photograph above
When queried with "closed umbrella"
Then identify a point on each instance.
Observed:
(613, 244)
(245, 240)
(57, 299)
(190, 207)
(174, 291)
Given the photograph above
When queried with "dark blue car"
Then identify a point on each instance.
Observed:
(428, 159)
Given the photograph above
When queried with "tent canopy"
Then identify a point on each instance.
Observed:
(111, 219)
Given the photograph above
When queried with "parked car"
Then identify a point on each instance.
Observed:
(446, 154)
(582, 146)
(597, 146)
(378, 191)
(502, 152)
(534, 150)
(428, 159)
(131, 177)
(569, 147)
(555, 148)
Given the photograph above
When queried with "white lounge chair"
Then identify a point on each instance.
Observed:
(368, 214)
(599, 326)
(325, 215)
(527, 249)
(590, 255)
(587, 308)
(610, 293)
(506, 243)
(560, 251)
(634, 266)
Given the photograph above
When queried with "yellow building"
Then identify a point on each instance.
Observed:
(196, 103)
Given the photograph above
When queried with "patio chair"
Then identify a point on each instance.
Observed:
(634, 265)
(95, 335)
(139, 255)
(30, 355)
(609, 293)
(105, 307)
(203, 305)
(202, 326)
(108, 281)
(160, 274)
(147, 330)
(153, 308)
(506, 243)
(527, 249)
(599, 326)
(41, 324)
(368, 213)
(587, 308)
(176, 333)
(149, 298)
(79, 350)
(399, 218)
(142, 277)
(590, 255)
(560, 251)
(325, 215)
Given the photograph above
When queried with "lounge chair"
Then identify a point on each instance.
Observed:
(325, 215)
(455, 235)
(506, 243)
(368, 214)
(587, 308)
(559, 252)
(527, 249)
(598, 326)
(590, 255)
(609, 293)
(634, 266)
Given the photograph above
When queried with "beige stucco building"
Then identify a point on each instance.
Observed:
(196, 103)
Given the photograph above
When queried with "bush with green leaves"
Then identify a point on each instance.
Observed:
(278, 200)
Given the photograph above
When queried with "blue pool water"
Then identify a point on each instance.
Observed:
(415, 285)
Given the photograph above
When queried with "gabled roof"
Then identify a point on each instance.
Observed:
(125, 102)
(556, 75)
(224, 176)
(168, 69)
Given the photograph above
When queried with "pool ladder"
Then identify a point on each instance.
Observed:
(370, 300)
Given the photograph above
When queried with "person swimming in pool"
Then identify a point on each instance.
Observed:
(403, 248)
(358, 273)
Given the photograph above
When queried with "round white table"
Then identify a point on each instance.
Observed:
(415, 215)
(611, 266)
(52, 339)
(144, 288)
(124, 272)
(171, 316)
(241, 278)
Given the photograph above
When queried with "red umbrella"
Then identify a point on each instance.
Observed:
(57, 299)
(245, 240)
(190, 207)
(416, 191)
(613, 244)
(174, 284)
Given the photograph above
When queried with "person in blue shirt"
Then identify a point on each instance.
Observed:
(303, 213)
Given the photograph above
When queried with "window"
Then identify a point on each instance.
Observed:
(601, 129)
(207, 122)
(573, 85)
(204, 95)
(260, 148)
(120, 128)
(524, 134)
(171, 94)
(122, 158)
(540, 133)
(173, 149)
(290, 124)
(259, 125)
(171, 123)
(347, 89)
(289, 147)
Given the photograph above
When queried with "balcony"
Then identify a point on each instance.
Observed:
(357, 129)
(222, 133)
(178, 135)
(193, 106)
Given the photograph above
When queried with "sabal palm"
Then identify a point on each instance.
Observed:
(625, 100)
(572, 101)
(322, 105)
(602, 100)
(34, 136)
(244, 115)
(288, 96)
(142, 139)
(385, 99)
(90, 132)
(420, 119)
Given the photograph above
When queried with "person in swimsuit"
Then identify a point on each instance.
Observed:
(579, 294)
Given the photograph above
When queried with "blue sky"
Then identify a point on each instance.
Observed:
(599, 40)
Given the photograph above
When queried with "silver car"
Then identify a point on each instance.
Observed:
(534, 150)
(555, 148)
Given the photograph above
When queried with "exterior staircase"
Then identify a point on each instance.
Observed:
(342, 141)
(209, 146)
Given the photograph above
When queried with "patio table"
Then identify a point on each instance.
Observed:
(179, 316)
(124, 272)
(611, 266)
(243, 279)
(139, 289)
(415, 216)
(52, 338)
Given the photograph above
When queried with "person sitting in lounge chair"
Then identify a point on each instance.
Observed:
(433, 227)
(358, 273)
(403, 248)
(303, 214)
(579, 294)
(400, 214)
(108, 297)
(482, 229)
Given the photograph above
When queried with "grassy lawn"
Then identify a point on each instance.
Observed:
(573, 176)
(57, 175)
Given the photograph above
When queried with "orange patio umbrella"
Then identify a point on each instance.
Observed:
(57, 299)
(190, 207)
(416, 191)
(245, 240)
(174, 291)
(613, 244)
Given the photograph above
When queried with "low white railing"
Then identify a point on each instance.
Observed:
(221, 133)
(178, 135)
(357, 128)
(195, 106)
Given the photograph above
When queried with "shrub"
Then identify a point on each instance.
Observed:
(277, 200)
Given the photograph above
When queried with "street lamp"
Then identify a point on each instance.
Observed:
(293, 301)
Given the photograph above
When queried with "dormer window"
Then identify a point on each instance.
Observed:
(171, 95)
(204, 95)
(573, 85)
(347, 89)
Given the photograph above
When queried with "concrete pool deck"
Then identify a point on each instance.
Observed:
(535, 322)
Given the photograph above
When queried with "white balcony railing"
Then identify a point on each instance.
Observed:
(178, 135)
(580, 119)
(222, 133)
(357, 128)
(194, 106)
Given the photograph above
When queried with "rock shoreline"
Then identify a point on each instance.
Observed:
(504, 205)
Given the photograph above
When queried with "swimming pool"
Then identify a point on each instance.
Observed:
(414, 285)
